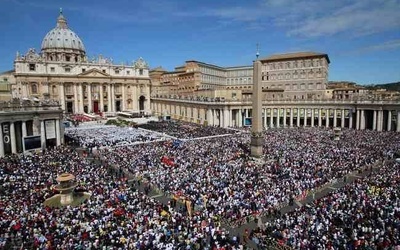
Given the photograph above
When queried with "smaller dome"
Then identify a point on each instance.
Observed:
(61, 37)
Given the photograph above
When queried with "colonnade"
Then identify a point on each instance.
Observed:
(13, 133)
(375, 118)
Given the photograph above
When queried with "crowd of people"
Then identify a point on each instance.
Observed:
(185, 130)
(362, 215)
(107, 136)
(217, 177)
(116, 216)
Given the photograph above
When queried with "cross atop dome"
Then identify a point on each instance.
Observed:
(61, 21)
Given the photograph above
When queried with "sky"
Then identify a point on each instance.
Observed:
(361, 38)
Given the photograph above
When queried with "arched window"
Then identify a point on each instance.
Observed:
(54, 89)
(34, 89)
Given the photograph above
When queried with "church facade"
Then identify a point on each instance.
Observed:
(63, 72)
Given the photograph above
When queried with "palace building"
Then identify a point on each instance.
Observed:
(62, 71)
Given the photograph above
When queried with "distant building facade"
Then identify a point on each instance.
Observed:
(62, 71)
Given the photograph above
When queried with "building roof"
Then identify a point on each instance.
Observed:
(280, 57)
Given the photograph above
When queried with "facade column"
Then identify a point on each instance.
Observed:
(240, 120)
(312, 117)
(271, 120)
(358, 120)
(291, 117)
(80, 98)
(209, 117)
(42, 135)
(1, 141)
(334, 118)
(380, 120)
(319, 117)
(23, 135)
(374, 120)
(13, 139)
(101, 98)
(342, 121)
(350, 118)
(284, 117)
(327, 118)
(58, 133)
(389, 121)
(398, 122)
(89, 97)
(298, 117)
(113, 97)
(76, 107)
(109, 97)
(61, 95)
(123, 101)
(362, 119)
(226, 118)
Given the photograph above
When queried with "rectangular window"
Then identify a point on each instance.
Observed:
(52, 69)
(128, 72)
(83, 70)
(141, 72)
(67, 70)
(68, 58)
(32, 67)
(116, 72)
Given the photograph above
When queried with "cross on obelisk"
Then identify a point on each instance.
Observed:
(257, 138)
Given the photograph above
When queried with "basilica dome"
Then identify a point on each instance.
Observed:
(61, 38)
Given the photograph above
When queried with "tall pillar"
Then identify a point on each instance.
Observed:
(319, 117)
(89, 97)
(342, 120)
(240, 118)
(334, 118)
(61, 95)
(257, 138)
(58, 133)
(305, 117)
(351, 118)
(398, 121)
(358, 127)
(80, 98)
(362, 119)
(327, 118)
(23, 135)
(42, 135)
(312, 117)
(298, 117)
(374, 120)
(76, 107)
(1, 141)
(389, 121)
(113, 97)
(209, 117)
(109, 97)
(291, 117)
(278, 117)
(13, 139)
(271, 119)
(284, 117)
(101, 98)
(123, 100)
(380, 120)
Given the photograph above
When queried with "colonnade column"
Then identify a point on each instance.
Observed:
(278, 117)
(271, 120)
(398, 122)
(312, 117)
(334, 118)
(389, 121)
(327, 118)
(342, 119)
(209, 117)
(374, 127)
(42, 135)
(358, 120)
(380, 120)
(291, 117)
(298, 117)
(89, 97)
(284, 117)
(305, 116)
(1, 142)
(350, 118)
(240, 120)
(13, 141)
(362, 119)
(319, 117)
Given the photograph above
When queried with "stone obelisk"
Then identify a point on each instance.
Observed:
(257, 137)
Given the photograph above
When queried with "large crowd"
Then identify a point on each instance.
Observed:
(185, 130)
(214, 174)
